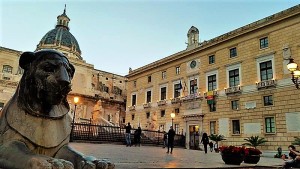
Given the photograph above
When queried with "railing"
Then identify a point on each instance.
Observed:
(101, 133)
(191, 97)
(175, 100)
(10, 77)
(146, 105)
(266, 84)
(131, 108)
(161, 102)
(233, 89)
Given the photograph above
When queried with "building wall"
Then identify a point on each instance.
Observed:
(7, 87)
(282, 31)
(82, 87)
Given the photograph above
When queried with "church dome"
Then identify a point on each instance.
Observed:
(61, 39)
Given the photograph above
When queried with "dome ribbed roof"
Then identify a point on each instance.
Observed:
(60, 38)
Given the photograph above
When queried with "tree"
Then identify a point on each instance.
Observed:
(296, 141)
(254, 141)
(216, 138)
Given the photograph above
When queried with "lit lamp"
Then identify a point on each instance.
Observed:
(173, 116)
(293, 68)
(76, 99)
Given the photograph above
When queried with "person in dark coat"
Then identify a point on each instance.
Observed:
(205, 141)
(171, 135)
(137, 136)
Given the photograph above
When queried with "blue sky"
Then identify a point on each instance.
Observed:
(117, 34)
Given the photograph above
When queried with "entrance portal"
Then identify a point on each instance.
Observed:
(194, 137)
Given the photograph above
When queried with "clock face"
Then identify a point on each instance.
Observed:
(193, 64)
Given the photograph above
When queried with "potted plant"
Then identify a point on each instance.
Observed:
(253, 154)
(216, 138)
(233, 154)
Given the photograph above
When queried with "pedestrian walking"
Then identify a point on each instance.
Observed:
(171, 135)
(205, 141)
(211, 146)
(127, 135)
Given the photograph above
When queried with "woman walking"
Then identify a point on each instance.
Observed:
(205, 141)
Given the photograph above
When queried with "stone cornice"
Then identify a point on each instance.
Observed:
(295, 10)
(10, 50)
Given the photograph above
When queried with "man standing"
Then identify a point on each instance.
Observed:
(127, 135)
(171, 135)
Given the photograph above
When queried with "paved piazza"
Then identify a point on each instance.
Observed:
(156, 157)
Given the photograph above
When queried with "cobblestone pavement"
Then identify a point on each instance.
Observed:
(156, 157)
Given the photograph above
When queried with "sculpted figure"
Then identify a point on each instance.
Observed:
(35, 125)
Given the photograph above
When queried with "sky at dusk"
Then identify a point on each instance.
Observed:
(114, 35)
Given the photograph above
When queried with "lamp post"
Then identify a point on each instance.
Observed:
(173, 116)
(76, 99)
(293, 68)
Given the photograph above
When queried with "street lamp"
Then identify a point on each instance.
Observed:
(76, 99)
(173, 116)
(293, 68)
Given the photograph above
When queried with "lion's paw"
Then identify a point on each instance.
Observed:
(101, 164)
(97, 164)
(48, 163)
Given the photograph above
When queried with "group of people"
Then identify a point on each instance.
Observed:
(292, 160)
(136, 138)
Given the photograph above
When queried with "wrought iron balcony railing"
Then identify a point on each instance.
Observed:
(233, 89)
(147, 105)
(266, 84)
(161, 102)
(175, 100)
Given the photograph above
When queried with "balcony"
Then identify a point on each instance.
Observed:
(131, 108)
(215, 93)
(192, 97)
(161, 102)
(9, 80)
(233, 90)
(266, 84)
(175, 100)
(147, 105)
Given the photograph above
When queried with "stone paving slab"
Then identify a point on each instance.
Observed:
(156, 157)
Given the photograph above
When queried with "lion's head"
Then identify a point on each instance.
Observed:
(45, 83)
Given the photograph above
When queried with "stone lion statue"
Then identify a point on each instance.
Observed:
(35, 125)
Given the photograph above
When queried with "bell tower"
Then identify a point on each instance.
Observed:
(193, 38)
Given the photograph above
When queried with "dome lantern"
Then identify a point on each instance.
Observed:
(61, 39)
(63, 19)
